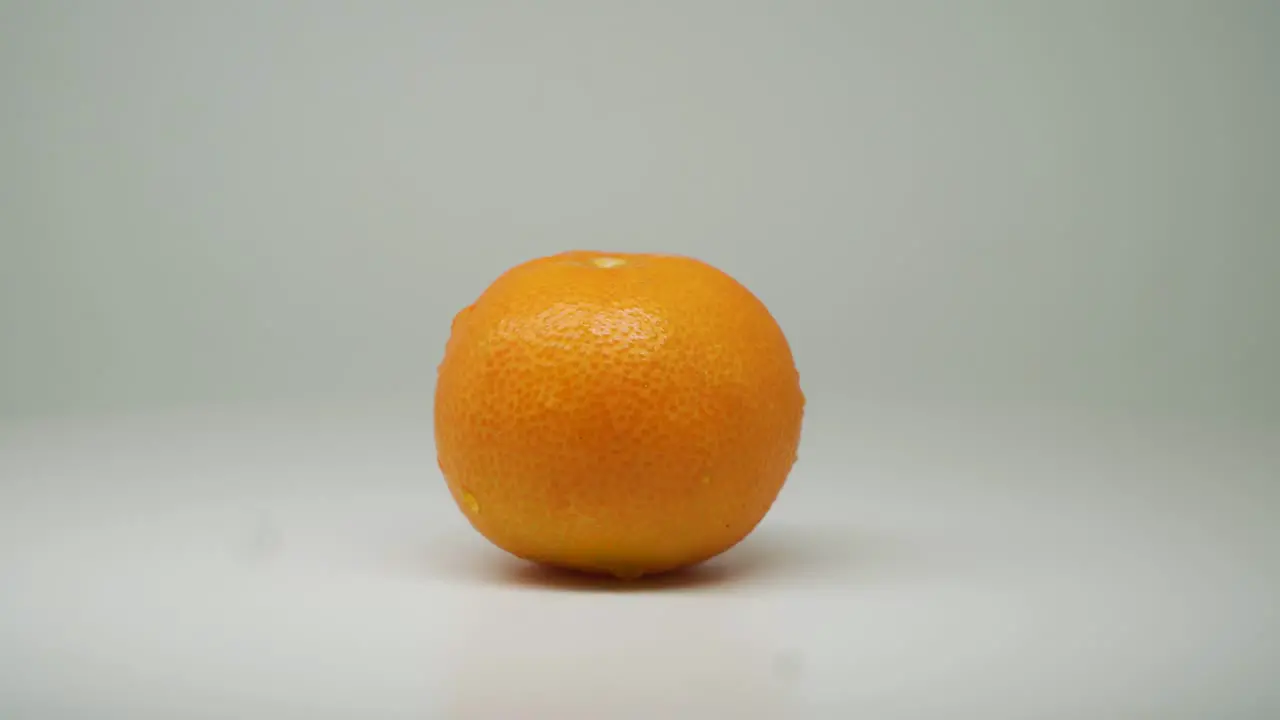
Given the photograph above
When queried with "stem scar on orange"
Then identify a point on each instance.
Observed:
(616, 413)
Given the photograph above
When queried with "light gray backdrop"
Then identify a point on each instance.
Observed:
(1046, 206)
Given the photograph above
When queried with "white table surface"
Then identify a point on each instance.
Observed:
(227, 565)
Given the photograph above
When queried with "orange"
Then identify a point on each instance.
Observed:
(616, 413)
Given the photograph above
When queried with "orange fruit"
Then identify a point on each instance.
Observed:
(616, 413)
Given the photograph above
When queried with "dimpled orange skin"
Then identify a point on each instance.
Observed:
(616, 413)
